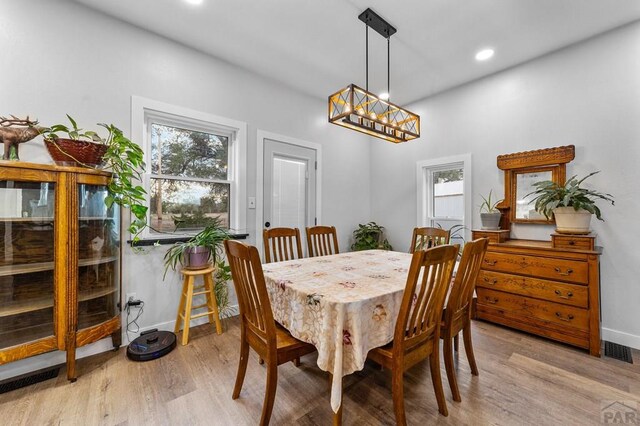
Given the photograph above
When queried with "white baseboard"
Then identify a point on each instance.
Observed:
(50, 359)
(621, 338)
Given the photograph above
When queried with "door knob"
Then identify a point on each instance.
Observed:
(267, 224)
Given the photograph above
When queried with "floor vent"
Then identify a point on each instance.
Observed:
(621, 352)
(28, 379)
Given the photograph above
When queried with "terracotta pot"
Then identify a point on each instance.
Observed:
(571, 221)
(196, 258)
(70, 152)
(490, 221)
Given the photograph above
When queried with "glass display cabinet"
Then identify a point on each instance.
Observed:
(59, 262)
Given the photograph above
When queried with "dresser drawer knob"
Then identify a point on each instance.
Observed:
(569, 317)
(492, 282)
(568, 296)
(572, 243)
(559, 271)
(490, 262)
(492, 300)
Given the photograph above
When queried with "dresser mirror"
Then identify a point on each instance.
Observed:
(524, 207)
(522, 170)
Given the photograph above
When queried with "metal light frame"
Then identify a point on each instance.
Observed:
(358, 109)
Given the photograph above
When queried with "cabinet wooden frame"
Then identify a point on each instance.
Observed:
(553, 160)
(66, 334)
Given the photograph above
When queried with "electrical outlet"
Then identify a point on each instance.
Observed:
(130, 297)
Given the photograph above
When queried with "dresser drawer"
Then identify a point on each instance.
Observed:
(544, 267)
(564, 315)
(573, 242)
(553, 291)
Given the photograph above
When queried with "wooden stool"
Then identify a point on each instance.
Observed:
(186, 299)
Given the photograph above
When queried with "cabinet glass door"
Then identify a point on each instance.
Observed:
(26, 261)
(98, 257)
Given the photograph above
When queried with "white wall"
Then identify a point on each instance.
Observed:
(587, 95)
(59, 57)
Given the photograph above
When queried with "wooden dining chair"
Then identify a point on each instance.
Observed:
(281, 244)
(320, 240)
(425, 238)
(417, 332)
(258, 329)
(456, 316)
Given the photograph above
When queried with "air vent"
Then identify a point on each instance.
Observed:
(29, 379)
(616, 351)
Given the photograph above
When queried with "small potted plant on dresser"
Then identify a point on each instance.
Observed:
(489, 214)
(570, 204)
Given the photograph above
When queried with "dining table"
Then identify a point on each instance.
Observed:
(344, 304)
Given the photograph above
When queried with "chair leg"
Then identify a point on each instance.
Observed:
(434, 361)
(397, 392)
(181, 305)
(448, 363)
(456, 343)
(270, 393)
(468, 347)
(187, 312)
(242, 368)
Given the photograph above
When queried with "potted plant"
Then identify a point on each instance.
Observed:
(199, 250)
(221, 290)
(369, 237)
(116, 153)
(570, 204)
(489, 214)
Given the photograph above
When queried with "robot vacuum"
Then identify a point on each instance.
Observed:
(151, 344)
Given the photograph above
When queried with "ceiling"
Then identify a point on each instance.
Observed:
(318, 47)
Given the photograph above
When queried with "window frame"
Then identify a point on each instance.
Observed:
(424, 183)
(146, 112)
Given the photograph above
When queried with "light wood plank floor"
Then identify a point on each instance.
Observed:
(523, 380)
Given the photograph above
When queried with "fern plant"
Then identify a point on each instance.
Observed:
(550, 195)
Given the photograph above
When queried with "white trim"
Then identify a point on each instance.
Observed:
(141, 107)
(261, 136)
(621, 338)
(465, 159)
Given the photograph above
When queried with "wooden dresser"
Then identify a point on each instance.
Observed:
(546, 288)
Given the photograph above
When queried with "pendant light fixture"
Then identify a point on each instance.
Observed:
(361, 110)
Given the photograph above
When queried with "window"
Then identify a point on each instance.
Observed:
(444, 198)
(194, 175)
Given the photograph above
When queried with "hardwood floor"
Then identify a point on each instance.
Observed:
(523, 380)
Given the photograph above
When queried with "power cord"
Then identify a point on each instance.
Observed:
(138, 304)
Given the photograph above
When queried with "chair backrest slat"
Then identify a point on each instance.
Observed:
(322, 241)
(281, 244)
(466, 276)
(253, 299)
(422, 304)
(426, 238)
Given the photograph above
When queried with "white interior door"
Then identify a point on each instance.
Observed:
(289, 185)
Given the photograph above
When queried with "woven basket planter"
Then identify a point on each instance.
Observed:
(69, 152)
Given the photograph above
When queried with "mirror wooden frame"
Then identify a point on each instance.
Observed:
(541, 160)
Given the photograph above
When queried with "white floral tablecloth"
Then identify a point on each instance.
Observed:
(344, 304)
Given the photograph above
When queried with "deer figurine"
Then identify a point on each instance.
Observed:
(13, 136)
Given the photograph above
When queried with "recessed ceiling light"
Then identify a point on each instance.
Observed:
(194, 1)
(484, 54)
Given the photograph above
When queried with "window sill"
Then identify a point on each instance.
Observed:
(168, 241)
